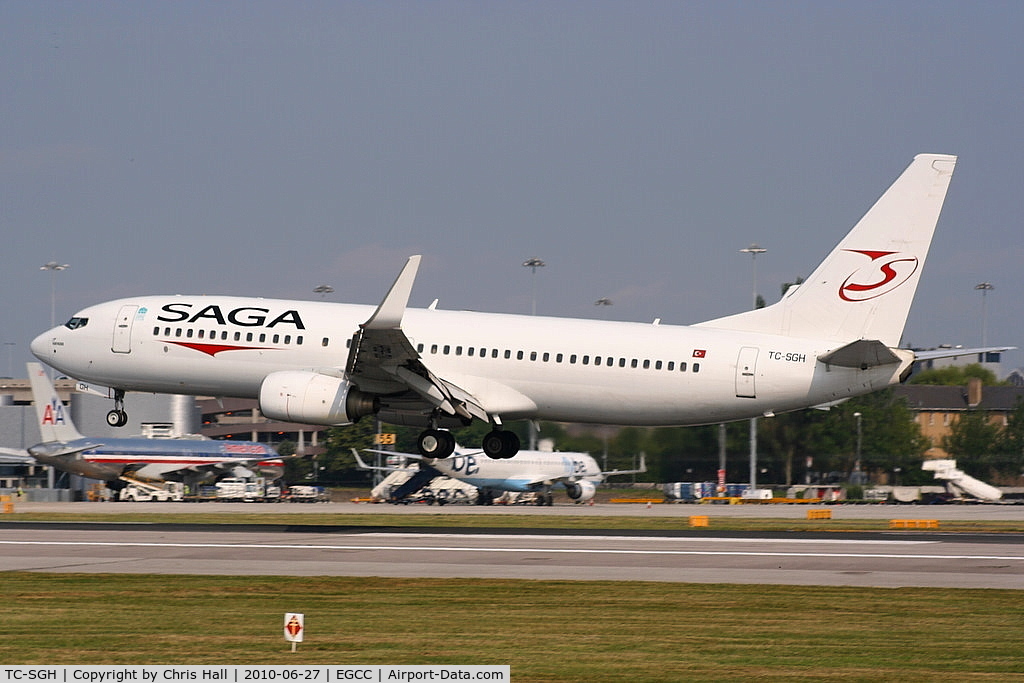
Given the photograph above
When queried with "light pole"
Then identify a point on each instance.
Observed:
(985, 288)
(754, 249)
(54, 268)
(856, 462)
(533, 264)
(10, 354)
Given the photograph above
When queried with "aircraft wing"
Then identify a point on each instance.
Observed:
(641, 470)
(223, 466)
(364, 466)
(16, 456)
(382, 360)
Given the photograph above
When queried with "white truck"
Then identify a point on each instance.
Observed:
(145, 492)
(231, 488)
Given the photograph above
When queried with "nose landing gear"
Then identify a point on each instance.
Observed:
(118, 417)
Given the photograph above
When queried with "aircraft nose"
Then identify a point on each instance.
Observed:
(40, 346)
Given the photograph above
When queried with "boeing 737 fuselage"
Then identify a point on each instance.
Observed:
(834, 337)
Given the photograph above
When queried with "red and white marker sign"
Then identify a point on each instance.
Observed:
(294, 627)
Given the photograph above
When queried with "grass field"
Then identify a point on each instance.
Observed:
(545, 630)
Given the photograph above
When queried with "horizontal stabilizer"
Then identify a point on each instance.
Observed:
(933, 354)
(863, 354)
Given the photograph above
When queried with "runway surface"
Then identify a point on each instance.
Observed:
(849, 559)
(939, 512)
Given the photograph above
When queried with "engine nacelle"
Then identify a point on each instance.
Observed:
(314, 398)
(581, 491)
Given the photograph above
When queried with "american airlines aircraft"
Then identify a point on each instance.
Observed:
(109, 459)
(833, 337)
(527, 472)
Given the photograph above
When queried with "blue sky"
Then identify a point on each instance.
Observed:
(265, 148)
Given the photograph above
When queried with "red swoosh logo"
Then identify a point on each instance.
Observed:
(214, 349)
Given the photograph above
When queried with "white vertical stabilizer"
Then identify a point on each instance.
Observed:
(54, 418)
(864, 288)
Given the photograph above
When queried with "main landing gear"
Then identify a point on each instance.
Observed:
(500, 444)
(117, 417)
(437, 443)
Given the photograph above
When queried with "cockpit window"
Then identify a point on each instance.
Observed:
(75, 323)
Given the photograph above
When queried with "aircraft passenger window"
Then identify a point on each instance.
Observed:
(348, 343)
(287, 339)
(533, 355)
(572, 359)
(238, 336)
(470, 351)
(519, 355)
(671, 365)
(201, 332)
(647, 364)
(586, 360)
(156, 331)
(188, 333)
(276, 339)
(433, 348)
(682, 367)
(167, 332)
(263, 337)
(696, 367)
(248, 338)
(446, 349)
(325, 342)
(298, 340)
(633, 363)
(483, 352)
(597, 360)
(494, 353)
(622, 362)
(558, 358)
(610, 362)
(657, 365)
(458, 350)
(177, 332)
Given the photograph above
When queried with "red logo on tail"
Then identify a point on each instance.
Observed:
(887, 271)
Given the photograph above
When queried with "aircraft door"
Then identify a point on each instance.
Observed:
(745, 368)
(122, 342)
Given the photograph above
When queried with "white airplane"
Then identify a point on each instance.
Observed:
(527, 472)
(832, 338)
(109, 459)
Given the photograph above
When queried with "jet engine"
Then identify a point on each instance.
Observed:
(314, 398)
(581, 491)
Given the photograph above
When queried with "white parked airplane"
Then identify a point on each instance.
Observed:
(526, 472)
(311, 362)
(109, 459)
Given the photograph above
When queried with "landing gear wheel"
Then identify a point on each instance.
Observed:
(117, 418)
(500, 444)
(493, 444)
(435, 443)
